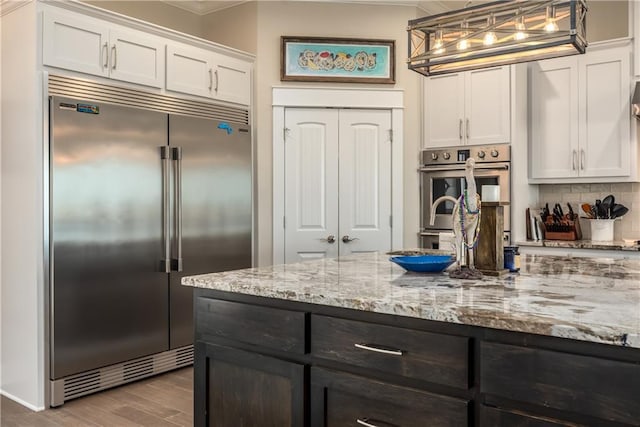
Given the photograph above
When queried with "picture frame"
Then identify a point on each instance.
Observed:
(338, 60)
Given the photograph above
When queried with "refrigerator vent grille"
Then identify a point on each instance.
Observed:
(89, 90)
(122, 373)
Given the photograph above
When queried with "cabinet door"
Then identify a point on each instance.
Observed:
(444, 110)
(605, 144)
(189, 70)
(553, 145)
(232, 80)
(238, 388)
(76, 43)
(311, 184)
(487, 106)
(364, 173)
(136, 57)
(340, 399)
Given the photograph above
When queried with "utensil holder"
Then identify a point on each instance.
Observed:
(602, 230)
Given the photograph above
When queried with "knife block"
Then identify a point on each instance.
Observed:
(489, 254)
(573, 229)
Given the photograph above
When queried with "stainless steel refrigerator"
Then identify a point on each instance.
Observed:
(138, 199)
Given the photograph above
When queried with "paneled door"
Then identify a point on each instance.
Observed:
(337, 182)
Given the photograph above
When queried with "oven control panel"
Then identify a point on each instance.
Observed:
(457, 155)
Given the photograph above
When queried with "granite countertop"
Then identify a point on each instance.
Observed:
(588, 299)
(616, 245)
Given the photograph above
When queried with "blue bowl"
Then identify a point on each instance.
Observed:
(424, 263)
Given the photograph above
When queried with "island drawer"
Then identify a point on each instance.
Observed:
(602, 388)
(436, 358)
(268, 327)
(340, 399)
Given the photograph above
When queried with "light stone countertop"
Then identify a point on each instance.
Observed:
(616, 245)
(587, 299)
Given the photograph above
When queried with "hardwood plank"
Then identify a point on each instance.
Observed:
(142, 418)
(164, 401)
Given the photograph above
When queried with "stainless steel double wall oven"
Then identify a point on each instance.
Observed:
(442, 172)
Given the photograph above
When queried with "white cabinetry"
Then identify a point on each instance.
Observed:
(79, 43)
(580, 117)
(470, 108)
(200, 72)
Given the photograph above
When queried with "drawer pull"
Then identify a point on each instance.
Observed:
(369, 423)
(379, 350)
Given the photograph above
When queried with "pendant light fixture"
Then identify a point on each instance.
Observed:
(497, 33)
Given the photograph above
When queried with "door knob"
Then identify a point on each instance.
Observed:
(330, 238)
(347, 239)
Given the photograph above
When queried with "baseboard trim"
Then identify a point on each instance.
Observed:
(21, 402)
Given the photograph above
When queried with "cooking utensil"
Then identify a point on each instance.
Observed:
(607, 204)
(598, 208)
(618, 210)
(588, 209)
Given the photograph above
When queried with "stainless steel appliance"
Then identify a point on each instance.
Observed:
(138, 199)
(442, 173)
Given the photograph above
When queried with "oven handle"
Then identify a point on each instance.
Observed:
(458, 168)
(434, 234)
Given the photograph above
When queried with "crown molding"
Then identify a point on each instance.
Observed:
(7, 6)
(204, 7)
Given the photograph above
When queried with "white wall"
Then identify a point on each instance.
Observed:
(156, 12)
(234, 27)
(330, 20)
(21, 275)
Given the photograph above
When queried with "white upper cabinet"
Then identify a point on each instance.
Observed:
(232, 80)
(200, 72)
(469, 108)
(79, 43)
(189, 70)
(580, 117)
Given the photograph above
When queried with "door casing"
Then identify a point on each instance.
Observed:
(284, 97)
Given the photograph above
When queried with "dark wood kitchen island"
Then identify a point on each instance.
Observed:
(356, 341)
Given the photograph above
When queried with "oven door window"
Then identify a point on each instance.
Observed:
(451, 186)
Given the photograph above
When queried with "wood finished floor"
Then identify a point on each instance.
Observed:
(164, 401)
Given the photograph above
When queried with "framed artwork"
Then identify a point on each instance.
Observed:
(319, 59)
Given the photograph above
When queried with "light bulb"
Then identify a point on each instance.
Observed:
(490, 37)
(550, 25)
(464, 43)
(520, 28)
(438, 43)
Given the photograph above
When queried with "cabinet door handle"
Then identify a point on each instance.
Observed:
(216, 88)
(468, 127)
(371, 347)
(367, 422)
(460, 129)
(105, 55)
(114, 57)
(210, 78)
(582, 157)
(574, 160)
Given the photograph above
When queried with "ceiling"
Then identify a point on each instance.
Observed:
(204, 7)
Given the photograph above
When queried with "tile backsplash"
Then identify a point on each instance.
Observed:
(627, 194)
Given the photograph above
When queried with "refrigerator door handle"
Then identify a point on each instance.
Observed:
(165, 263)
(176, 155)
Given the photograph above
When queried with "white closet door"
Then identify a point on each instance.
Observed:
(311, 184)
(365, 181)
